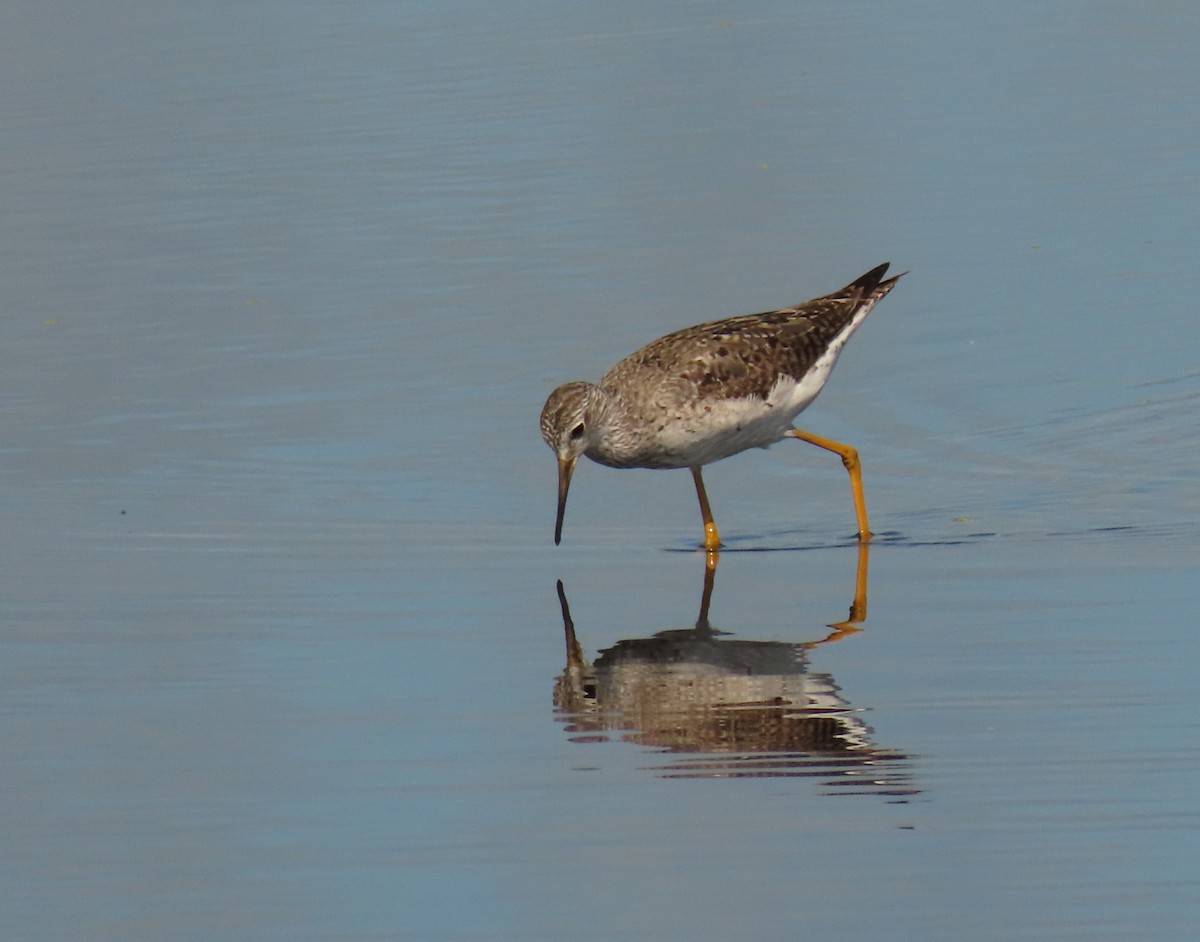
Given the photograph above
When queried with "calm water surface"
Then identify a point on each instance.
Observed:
(286, 649)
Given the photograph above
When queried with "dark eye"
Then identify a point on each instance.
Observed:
(577, 432)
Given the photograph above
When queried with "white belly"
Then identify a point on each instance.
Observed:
(715, 429)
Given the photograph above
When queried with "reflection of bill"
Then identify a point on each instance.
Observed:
(727, 708)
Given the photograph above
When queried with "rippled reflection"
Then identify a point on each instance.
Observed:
(726, 708)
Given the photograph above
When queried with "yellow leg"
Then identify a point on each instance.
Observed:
(712, 539)
(849, 456)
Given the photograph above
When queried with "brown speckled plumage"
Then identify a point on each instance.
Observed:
(745, 355)
(709, 391)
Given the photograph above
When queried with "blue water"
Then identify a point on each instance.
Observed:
(281, 652)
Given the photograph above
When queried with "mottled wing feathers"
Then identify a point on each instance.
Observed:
(745, 355)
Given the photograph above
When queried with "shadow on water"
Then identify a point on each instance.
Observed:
(728, 708)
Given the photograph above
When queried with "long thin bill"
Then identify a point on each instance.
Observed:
(566, 467)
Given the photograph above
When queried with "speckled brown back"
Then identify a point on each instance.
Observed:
(745, 355)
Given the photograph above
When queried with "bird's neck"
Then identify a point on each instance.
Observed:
(611, 422)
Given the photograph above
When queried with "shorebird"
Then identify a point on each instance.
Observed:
(710, 391)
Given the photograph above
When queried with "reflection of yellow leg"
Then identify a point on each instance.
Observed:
(711, 558)
(858, 606)
(849, 456)
(712, 539)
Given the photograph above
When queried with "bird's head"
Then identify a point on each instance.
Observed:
(569, 421)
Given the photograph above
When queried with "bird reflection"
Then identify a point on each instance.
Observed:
(727, 708)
